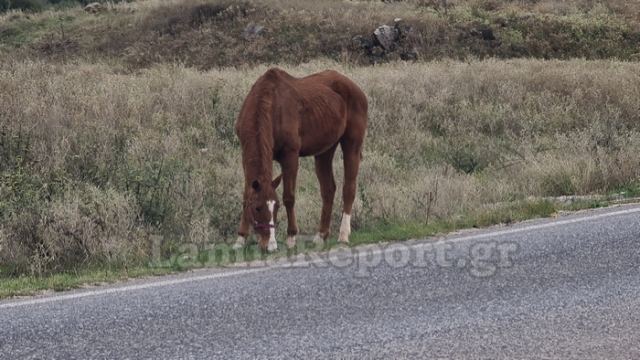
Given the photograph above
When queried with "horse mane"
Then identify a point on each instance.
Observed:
(264, 125)
(256, 130)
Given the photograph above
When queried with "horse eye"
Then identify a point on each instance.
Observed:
(258, 208)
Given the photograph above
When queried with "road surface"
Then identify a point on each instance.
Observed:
(556, 288)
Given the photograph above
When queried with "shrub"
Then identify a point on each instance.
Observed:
(557, 184)
(85, 226)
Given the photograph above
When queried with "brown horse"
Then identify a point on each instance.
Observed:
(283, 118)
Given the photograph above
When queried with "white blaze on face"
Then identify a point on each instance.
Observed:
(345, 228)
(272, 230)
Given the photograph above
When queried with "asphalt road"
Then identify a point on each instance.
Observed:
(556, 288)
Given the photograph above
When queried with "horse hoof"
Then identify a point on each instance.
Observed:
(272, 246)
(239, 244)
(345, 228)
(291, 242)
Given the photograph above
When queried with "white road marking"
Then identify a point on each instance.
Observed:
(115, 290)
(156, 284)
(544, 226)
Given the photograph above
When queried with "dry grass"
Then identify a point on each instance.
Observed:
(94, 163)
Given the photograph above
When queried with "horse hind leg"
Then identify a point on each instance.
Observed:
(351, 149)
(324, 173)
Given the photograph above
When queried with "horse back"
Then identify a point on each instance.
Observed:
(309, 114)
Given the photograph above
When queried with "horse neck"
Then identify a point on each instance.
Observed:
(259, 143)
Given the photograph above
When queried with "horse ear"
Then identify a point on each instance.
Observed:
(276, 182)
(255, 185)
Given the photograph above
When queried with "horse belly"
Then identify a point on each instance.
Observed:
(321, 136)
(323, 121)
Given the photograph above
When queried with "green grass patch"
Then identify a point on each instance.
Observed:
(518, 211)
(26, 31)
(30, 285)
(631, 189)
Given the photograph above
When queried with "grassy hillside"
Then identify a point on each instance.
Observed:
(209, 34)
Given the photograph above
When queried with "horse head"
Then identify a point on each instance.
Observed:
(262, 210)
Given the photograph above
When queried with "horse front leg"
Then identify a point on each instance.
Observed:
(243, 230)
(289, 175)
